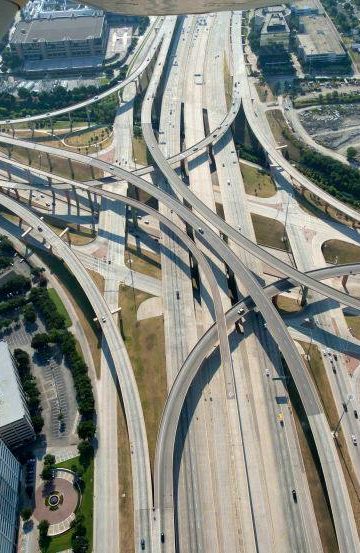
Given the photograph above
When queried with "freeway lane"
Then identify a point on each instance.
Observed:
(277, 455)
(337, 491)
(338, 494)
(193, 220)
(193, 363)
(257, 127)
(186, 214)
(64, 253)
(142, 489)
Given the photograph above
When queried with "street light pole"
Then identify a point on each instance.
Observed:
(350, 397)
(132, 277)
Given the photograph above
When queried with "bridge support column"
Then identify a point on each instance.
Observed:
(88, 116)
(76, 197)
(9, 150)
(49, 181)
(12, 130)
(71, 169)
(96, 203)
(8, 173)
(304, 295)
(344, 280)
(67, 195)
(32, 128)
(29, 156)
(70, 122)
(49, 162)
(275, 300)
(91, 205)
(52, 125)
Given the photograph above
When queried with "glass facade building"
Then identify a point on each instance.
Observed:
(9, 487)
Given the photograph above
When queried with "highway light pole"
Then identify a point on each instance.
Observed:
(130, 261)
(350, 397)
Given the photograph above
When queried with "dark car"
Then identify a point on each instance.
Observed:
(162, 537)
(142, 543)
(294, 495)
(356, 414)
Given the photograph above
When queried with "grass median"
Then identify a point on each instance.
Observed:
(270, 233)
(318, 374)
(257, 182)
(145, 344)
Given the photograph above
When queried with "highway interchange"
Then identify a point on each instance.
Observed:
(180, 39)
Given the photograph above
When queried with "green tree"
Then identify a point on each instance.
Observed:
(86, 430)
(9, 59)
(43, 528)
(26, 513)
(40, 340)
(29, 314)
(49, 459)
(351, 153)
(47, 473)
(86, 452)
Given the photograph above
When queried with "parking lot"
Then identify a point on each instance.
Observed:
(54, 381)
(58, 396)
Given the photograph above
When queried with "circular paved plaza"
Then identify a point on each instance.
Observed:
(45, 495)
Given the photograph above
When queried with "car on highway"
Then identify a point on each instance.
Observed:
(162, 537)
(201, 231)
(103, 319)
(280, 419)
(294, 494)
(354, 439)
(267, 372)
(40, 229)
(142, 543)
(356, 414)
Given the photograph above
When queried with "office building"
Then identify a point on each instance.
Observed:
(275, 30)
(15, 421)
(9, 488)
(317, 41)
(62, 38)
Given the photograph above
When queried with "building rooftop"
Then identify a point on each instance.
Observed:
(275, 23)
(11, 404)
(318, 36)
(57, 29)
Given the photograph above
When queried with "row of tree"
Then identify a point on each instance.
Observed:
(336, 178)
(32, 103)
(32, 393)
(58, 334)
(340, 180)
